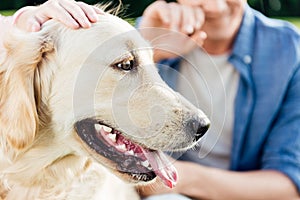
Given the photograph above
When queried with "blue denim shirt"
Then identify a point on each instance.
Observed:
(266, 135)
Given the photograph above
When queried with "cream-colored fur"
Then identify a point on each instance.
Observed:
(52, 79)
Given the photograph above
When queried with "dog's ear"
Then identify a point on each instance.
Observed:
(18, 74)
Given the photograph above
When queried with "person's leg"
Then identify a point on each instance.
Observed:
(167, 197)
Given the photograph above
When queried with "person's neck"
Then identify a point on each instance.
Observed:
(217, 47)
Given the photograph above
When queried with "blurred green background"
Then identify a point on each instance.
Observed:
(285, 9)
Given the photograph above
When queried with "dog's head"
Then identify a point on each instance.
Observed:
(94, 93)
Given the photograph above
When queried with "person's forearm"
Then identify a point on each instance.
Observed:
(209, 183)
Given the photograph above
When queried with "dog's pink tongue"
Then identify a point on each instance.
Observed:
(162, 167)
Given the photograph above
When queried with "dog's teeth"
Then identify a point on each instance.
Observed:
(122, 147)
(145, 163)
(144, 177)
(112, 137)
(98, 127)
(107, 129)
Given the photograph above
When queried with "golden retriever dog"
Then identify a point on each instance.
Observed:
(85, 115)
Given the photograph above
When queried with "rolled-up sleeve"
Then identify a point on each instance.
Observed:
(282, 148)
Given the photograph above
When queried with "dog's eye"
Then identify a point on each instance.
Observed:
(125, 65)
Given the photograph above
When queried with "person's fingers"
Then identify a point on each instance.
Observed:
(53, 9)
(71, 13)
(175, 11)
(199, 37)
(188, 20)
(185, 19)
(158, 11)
(33, 25)
(199, 18)
(76, 12)
(91, 12)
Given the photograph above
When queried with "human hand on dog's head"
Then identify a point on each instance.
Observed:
(71, 13)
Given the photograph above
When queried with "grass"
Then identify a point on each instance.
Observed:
(294, 20)
(7, 12)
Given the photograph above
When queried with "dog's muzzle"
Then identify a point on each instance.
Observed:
(140, 163)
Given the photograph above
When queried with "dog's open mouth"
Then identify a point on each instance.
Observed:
(141, 163)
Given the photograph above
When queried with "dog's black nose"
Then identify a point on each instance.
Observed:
(197, 127)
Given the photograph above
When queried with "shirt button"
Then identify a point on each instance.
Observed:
(247, 59)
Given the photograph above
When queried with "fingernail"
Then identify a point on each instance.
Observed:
(74, 24)
(88, 24)
(203, 35)
(189, 29)
(95, 18)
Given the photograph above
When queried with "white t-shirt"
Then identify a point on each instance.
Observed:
(210, 83)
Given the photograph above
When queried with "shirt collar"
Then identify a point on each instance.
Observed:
(243, 44)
